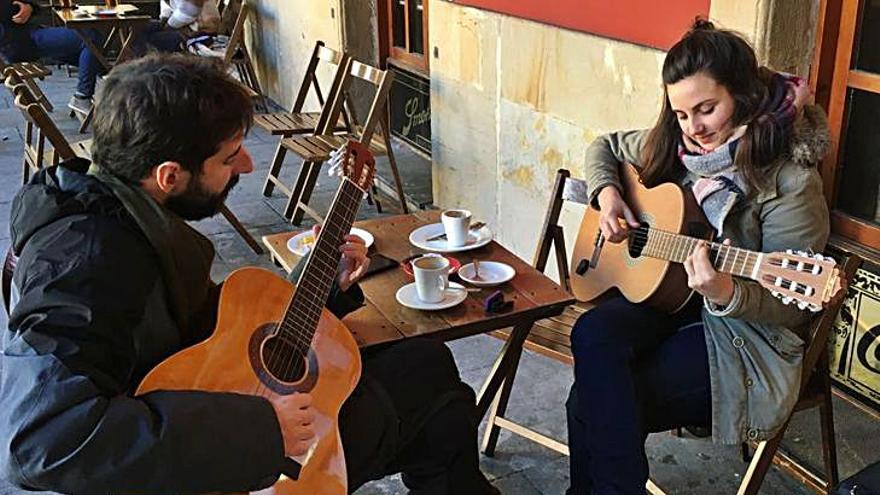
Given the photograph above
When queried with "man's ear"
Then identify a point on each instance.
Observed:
(170, 177)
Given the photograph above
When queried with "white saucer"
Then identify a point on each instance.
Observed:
(302, 243)
(491, 273)
(408, 297)
(476, 238)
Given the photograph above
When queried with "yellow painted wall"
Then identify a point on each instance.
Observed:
(281, 36)
(514, 100)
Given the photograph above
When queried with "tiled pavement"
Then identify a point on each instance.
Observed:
(682, 466)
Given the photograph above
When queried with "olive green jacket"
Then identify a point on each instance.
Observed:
(755, 343)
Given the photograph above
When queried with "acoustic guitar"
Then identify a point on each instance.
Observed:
(273, 339)
(646, 267)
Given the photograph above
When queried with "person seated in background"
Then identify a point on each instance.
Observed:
(22, 40)
(190, 16)
(179, 20)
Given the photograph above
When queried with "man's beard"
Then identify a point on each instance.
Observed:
(195, 203)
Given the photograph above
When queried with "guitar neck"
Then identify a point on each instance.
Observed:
(676, 247)
(302, 315)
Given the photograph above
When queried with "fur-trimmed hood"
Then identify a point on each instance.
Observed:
(811, 139)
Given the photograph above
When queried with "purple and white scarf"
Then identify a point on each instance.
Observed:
(721, 186)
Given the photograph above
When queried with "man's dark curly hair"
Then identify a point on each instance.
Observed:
(161, 108)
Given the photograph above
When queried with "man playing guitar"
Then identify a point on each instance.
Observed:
(110, 281)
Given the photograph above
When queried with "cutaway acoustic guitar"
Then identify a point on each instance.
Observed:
(273, 339)
(646, 267)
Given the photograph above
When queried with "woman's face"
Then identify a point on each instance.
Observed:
(703, 108)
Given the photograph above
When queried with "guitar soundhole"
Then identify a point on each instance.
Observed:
(285, 361)
(638, 238)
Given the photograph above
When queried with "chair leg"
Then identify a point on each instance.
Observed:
(761, 462)
(87, 120)
(42, 100)
(296, 190)
(236, 224)
(254, 82)
(499, 406)
(393, 163)
(306, 193)
(829, 443)
(274, 168)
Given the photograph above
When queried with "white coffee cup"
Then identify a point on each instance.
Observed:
(456, 224)
(432, 277)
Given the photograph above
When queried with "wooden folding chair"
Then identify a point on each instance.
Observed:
(316, 149)
(550, 337)
(236, 55)
(29, 72)
(40, 129)
(296, 121)
(815, 392)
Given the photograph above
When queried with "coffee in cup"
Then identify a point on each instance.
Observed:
(432, 277)
(456, 224)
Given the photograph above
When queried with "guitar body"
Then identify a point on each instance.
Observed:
(641, 279)
(252, 302)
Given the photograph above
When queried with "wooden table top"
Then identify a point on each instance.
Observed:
(85, 16)
(384, 320)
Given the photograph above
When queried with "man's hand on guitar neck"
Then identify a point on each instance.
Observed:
(715, 286)
(296, 417)
(612, 208)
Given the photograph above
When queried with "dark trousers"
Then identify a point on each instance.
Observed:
(412, 414)
(65, 45)
(637, 371)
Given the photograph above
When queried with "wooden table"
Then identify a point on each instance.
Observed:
(383, 320)
(125, 24)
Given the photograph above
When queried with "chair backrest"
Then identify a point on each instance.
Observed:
(565, 189)
(335, 59)
(380, 80)
(39, 129)
(815, 355)
(236, 37)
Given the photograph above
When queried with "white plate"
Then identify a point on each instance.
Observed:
(408, 297)
(302, 243)
(476, 238)
(491, 273)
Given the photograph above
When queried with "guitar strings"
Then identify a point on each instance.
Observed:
(302, 329)
(299, 328)
(292, 335)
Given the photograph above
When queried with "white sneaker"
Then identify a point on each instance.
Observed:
(80, 105)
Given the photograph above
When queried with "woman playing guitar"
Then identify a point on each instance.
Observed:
(745, 141)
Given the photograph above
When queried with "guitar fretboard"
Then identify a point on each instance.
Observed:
(302, 315)
(676, 247)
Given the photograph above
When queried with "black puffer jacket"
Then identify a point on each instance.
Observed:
(15, 39)
(90, 320)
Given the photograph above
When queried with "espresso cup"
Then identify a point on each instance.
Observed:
(456, 224)
(432, 277)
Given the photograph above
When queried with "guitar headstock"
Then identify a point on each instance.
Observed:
(809, 280)
(354, 162)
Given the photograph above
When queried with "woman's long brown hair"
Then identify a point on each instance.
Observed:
(728, 59)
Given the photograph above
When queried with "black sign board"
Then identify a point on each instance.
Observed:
(410, 104)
